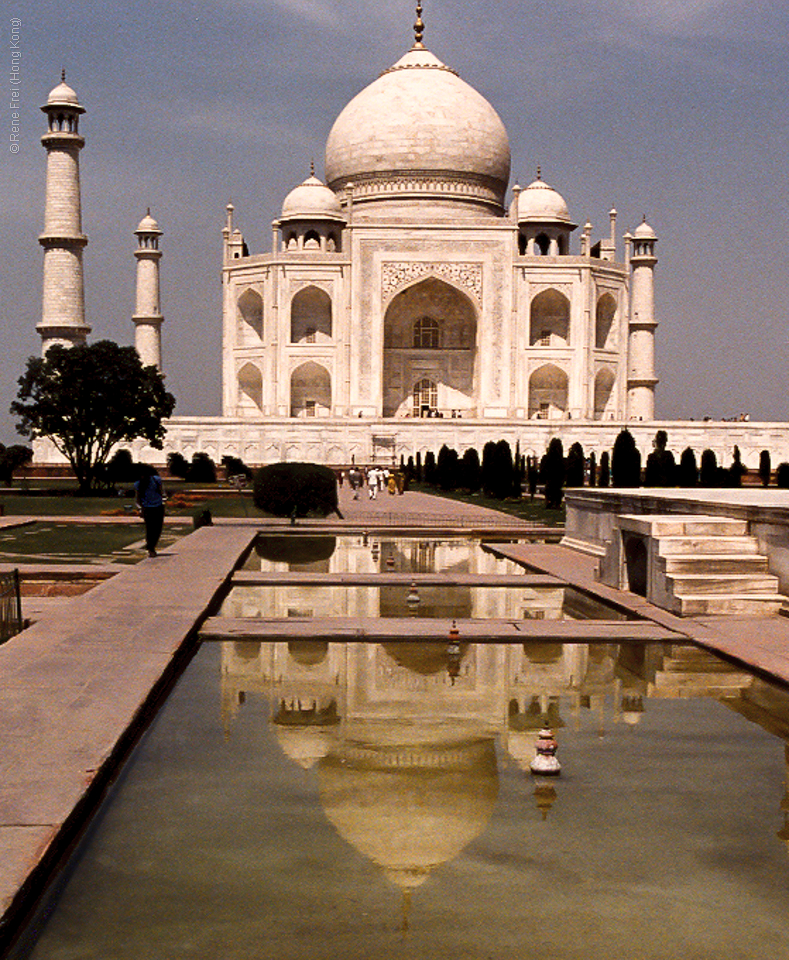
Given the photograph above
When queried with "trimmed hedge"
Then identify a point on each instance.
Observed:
(295, 489)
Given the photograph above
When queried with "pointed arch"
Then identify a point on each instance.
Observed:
(250, 390)
(605, 328)
(604, 399)
(311, 316)
(310, 391)
(548, 393)
(549, 323)
(430, 332)
(250, 312)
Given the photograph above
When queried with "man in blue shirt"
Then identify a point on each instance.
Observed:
(150, 500)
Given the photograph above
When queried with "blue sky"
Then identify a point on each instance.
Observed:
(674, 108)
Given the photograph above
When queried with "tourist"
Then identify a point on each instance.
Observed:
(149, 494)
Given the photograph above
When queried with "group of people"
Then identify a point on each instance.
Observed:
(377, 479)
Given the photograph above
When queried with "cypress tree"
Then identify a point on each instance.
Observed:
(418, 468)
(552, 474)
(764, 468)
(575, 466)
(626, 461)
(661, 466)
(488, 468)
(708, 474)
(429, 470)
(592, 470)
(604, 480)
(470, 471)
(737, 470)
(688, 472)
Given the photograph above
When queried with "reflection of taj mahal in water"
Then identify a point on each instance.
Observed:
(403, 737)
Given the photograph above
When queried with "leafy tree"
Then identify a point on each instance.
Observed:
(626, 461)
(782, 476)
(604, 480)
(574, 474)
(295, 489)
(87, 399)
(202, 469)
(764, 468)
(178, 465)
(708, 474)
(661, 467)
(11, 459)
(470, 471)
(688, 471)
(552, 474)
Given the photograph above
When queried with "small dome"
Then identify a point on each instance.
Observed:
(311, 200)
(541, 203)
(148, 224)
(644, 232)
(63, 96)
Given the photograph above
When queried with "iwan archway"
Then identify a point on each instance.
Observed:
(430, 334)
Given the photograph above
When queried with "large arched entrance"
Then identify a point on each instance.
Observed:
(430, 334)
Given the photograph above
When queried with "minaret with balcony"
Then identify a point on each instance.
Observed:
(63, 296)
(148, 317)
(641, 379)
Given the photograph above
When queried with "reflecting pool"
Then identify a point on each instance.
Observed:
(307, 800)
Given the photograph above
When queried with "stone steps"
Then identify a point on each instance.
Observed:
(757, 605)
(704, 584)
(689, 564)
(677, 546)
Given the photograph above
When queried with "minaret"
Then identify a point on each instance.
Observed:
(148, 317)
(641, 380)
(63, 298)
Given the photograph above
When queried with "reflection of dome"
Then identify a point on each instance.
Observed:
(542, 204)
(305, 745)
(311, 200)
(309, 653)
(419, 129)
(295, 549)
(407, 808)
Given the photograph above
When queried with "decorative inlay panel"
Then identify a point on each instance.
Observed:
(397, 274)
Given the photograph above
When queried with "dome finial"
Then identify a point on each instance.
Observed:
(419, 27)
(62, 74)
(312, 167)
(539, 172)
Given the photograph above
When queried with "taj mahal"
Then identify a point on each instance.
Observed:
(410, 299)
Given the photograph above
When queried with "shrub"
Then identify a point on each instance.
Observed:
(782, 476)
(122, 468)
(202, 469)
(552, 474)
(626, 461)
(235, 467)
(764, 468)
(574, 475)
(295, 489)
(178, 465)
(12, 458)
(708, 474)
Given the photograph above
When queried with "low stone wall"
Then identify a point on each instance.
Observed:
(341, 442)
(592, 513)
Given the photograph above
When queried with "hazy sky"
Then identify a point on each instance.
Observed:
(678, 109)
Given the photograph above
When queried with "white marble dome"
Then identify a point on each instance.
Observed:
(148, 225)
(644, 232)
(311, 200)
(540, 203)
(62, 95)
(420, 130)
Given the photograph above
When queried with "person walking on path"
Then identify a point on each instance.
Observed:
(150, 500)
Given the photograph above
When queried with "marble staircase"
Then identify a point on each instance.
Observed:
(708, 565)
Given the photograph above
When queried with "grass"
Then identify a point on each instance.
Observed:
(531, 510)
(45, 542)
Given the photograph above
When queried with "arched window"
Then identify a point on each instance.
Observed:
(425, 397)
(550, 320)
(603, 395)
(310, 316)
(426, 334)
(310, 391)
(311, 240)
(548, 393)
(542, 244)
(250, 389)
(604, 322)
(250, 309)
